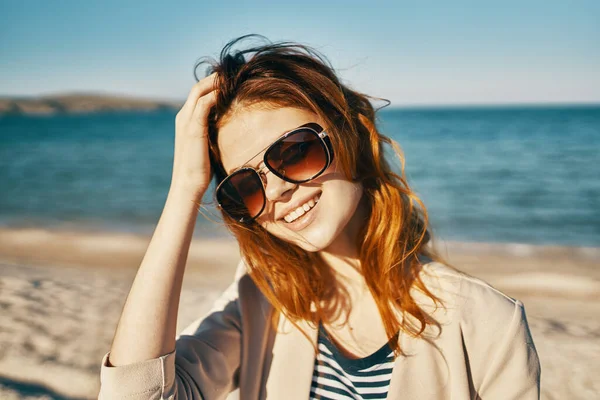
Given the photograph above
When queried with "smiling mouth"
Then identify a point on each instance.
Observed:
(298, 217)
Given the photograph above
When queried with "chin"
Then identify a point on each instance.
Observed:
(315, 237)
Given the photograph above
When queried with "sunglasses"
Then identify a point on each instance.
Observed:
(298, 156)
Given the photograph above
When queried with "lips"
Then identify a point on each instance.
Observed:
(295, 205)
(304, 220)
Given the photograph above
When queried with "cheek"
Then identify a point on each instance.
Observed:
(333, 167)
(335, 171)
(352, 193)
(344, 200)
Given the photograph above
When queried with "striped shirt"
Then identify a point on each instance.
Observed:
(338, 377)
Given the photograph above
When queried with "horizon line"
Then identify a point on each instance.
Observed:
(403, 105)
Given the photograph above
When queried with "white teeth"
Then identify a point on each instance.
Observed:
(300, 211)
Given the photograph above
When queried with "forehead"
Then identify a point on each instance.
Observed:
(249, 130)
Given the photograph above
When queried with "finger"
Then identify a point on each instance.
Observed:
(203, 106)
(204, 86)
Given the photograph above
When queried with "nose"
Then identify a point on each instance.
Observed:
(275, 187)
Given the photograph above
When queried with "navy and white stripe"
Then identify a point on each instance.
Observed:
(338, 377)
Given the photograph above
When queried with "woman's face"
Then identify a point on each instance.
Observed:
(250, 130)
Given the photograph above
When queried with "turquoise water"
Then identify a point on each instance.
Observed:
(517, 175)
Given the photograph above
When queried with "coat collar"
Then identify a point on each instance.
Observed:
(422, 373)
(292, 366)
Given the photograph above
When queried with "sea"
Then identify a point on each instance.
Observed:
(495, 174)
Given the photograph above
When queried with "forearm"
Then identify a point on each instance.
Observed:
(147, 327)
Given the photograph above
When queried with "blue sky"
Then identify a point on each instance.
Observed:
(411, 52)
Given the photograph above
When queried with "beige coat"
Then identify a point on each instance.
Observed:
(485, 351)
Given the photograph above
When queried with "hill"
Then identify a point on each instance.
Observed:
(80, 103)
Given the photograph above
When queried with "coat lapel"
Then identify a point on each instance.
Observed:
(291, 370)
(424, 372)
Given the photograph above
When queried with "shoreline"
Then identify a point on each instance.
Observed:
(22, 236)
(95, 249)
(554, 268)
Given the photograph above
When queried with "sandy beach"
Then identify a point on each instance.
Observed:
(61, 294)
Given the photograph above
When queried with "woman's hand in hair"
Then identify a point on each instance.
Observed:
(191, 165)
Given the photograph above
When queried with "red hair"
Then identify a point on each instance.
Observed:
(293, 75)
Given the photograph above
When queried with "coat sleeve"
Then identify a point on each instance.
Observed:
(204, 365)
(514, 369)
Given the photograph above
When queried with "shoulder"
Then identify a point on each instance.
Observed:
(470, 300)
(493, 329)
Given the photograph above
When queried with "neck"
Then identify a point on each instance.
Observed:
(343, 255)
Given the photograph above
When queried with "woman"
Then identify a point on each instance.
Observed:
(337, 294)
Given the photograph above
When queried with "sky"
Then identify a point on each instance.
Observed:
(410, 52)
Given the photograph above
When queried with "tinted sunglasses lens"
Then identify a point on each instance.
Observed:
(242, 195)
(300, 156)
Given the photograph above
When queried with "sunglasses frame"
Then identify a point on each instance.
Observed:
(311, 126)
